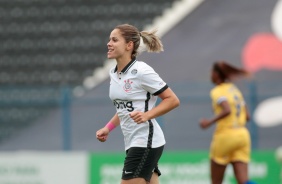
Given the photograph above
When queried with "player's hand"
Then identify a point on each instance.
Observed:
(204, 123)
(138, 117)
(102, 134)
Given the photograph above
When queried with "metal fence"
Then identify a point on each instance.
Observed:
(49, 118)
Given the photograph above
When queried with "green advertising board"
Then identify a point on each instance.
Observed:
(184, 168)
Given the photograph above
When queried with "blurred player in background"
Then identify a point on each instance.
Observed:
(231, 140)
(134, 89)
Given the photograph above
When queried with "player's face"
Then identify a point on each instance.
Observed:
(116, 45)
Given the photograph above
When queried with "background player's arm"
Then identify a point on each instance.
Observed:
(103, 133)
(248, 116)
(205, 123)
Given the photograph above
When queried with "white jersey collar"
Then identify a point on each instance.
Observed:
(127, 67)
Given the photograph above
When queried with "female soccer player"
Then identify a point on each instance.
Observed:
(134, 88)
(231, 140)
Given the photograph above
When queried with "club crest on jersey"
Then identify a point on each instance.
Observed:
(127, 86)
(134, 71)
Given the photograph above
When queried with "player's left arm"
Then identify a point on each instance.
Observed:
(248, 116)
(169, 102)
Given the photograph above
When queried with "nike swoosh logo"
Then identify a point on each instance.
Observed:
(127, 172)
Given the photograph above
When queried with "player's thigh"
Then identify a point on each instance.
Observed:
(134, 181)
(217, 172)
(240, 172)
(154, 179)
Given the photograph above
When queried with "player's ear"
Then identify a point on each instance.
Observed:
(130, 45)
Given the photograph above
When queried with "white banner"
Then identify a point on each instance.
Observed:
(43, 168)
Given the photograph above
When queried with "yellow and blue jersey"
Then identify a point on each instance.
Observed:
(230, 93)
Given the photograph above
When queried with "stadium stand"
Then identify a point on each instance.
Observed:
(215, 30)
(48, 44)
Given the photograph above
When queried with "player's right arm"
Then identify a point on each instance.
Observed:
(103, 133)
(219, 98)
(205, 123)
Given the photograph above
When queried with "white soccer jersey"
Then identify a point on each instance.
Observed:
(136, 88)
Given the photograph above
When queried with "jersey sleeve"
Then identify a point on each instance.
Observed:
(218, 96)
(151, 81)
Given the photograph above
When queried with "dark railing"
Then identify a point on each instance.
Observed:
(23, 107)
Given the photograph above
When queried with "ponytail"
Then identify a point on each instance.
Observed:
(227, 71)
(152, 41)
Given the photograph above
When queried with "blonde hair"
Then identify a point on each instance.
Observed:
(150, 39)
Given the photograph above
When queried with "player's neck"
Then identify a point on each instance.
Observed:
(219, 82)
(122, 62)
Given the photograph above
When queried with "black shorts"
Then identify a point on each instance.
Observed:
(141, 163)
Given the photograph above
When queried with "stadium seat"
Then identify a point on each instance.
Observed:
(46, 44)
